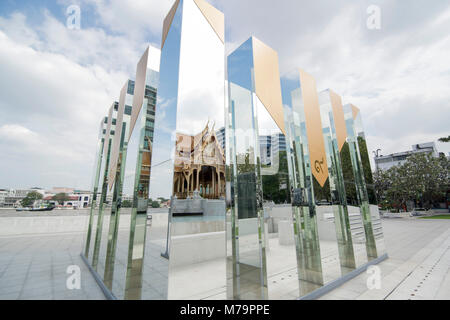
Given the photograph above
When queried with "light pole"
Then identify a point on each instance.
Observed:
(377, 154)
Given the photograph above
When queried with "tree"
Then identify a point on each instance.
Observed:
(422, 179)
(127, 204)
(61, 198)
(276, 187)
(31, 197)
(155, 204)
(445, 139)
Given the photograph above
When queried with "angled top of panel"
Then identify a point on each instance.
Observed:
(115, 147)
(339, 118)
(150, 59)
(168, 21)
(215, 17)
(316, 143)
(241, 64)
(355, 111)
(267, 81)
(108, 129)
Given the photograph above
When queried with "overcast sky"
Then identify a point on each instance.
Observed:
(56, 83)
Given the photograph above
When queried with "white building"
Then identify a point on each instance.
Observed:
(220, 134)
(271, 145)
(3, 194)
(399, 158)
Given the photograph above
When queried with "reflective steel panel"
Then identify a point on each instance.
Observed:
(188, 171)
(98, 214)
(351, 251)
(95, 185)
(302, 193)
(115, 182)
(246, 245)
(364, 182)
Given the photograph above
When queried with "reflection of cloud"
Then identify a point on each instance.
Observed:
(399, 76)
(201, 95)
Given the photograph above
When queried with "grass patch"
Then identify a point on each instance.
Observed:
(447, 216)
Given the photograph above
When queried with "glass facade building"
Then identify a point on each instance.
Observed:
(215, 179)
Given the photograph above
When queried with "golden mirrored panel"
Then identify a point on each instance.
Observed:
(267, 81)
(339, 120)
(215, 187)
(317, 152)
(168, 22)
(215, 17)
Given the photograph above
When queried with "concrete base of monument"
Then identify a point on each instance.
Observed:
(198, 206)
(197, 264)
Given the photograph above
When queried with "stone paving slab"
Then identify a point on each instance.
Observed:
(35, 268)
(417, 268)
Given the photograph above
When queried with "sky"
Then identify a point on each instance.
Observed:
(57, 83)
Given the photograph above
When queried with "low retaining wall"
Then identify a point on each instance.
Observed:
(42, 225)
(196, 248)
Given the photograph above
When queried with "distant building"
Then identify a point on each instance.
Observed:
(199, 165)
(3, 194)
(220, 135)
(270, 145)
(57, 190)
(399, 158)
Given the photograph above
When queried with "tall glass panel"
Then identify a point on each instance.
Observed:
(246, 253)
(364, 182)
(138, 270)
(95, 184)
(98, 214)
(306, 231)
(115, 181)
(188, 172)
(328, 102)
(339, 132)
(318, 195)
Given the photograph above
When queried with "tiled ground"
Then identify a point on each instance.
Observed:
(34, 267)
(418, 266)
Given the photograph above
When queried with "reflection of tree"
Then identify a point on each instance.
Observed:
(365, 160)
(127, 204)
(61, 198)
(368, 177)
(422, 179)
(31, 197)
(276, 187)
(322, 193)
(349, 179)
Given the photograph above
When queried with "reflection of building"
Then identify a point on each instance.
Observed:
(220, 134)
(133, 259)
(3, 194)
(199, 165)
(271, 145)
(399, 158)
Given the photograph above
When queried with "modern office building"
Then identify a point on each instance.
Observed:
(399, 158)
(270, 146)
(3, 194)
(275, 204)
(221, 138)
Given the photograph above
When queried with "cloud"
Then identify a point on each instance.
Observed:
(56, 83)
(399, 75)
(52, 99)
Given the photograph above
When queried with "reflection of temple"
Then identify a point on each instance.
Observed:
(199, 166)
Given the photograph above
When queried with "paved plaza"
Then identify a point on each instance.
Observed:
(418, 267)
(34, 265)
